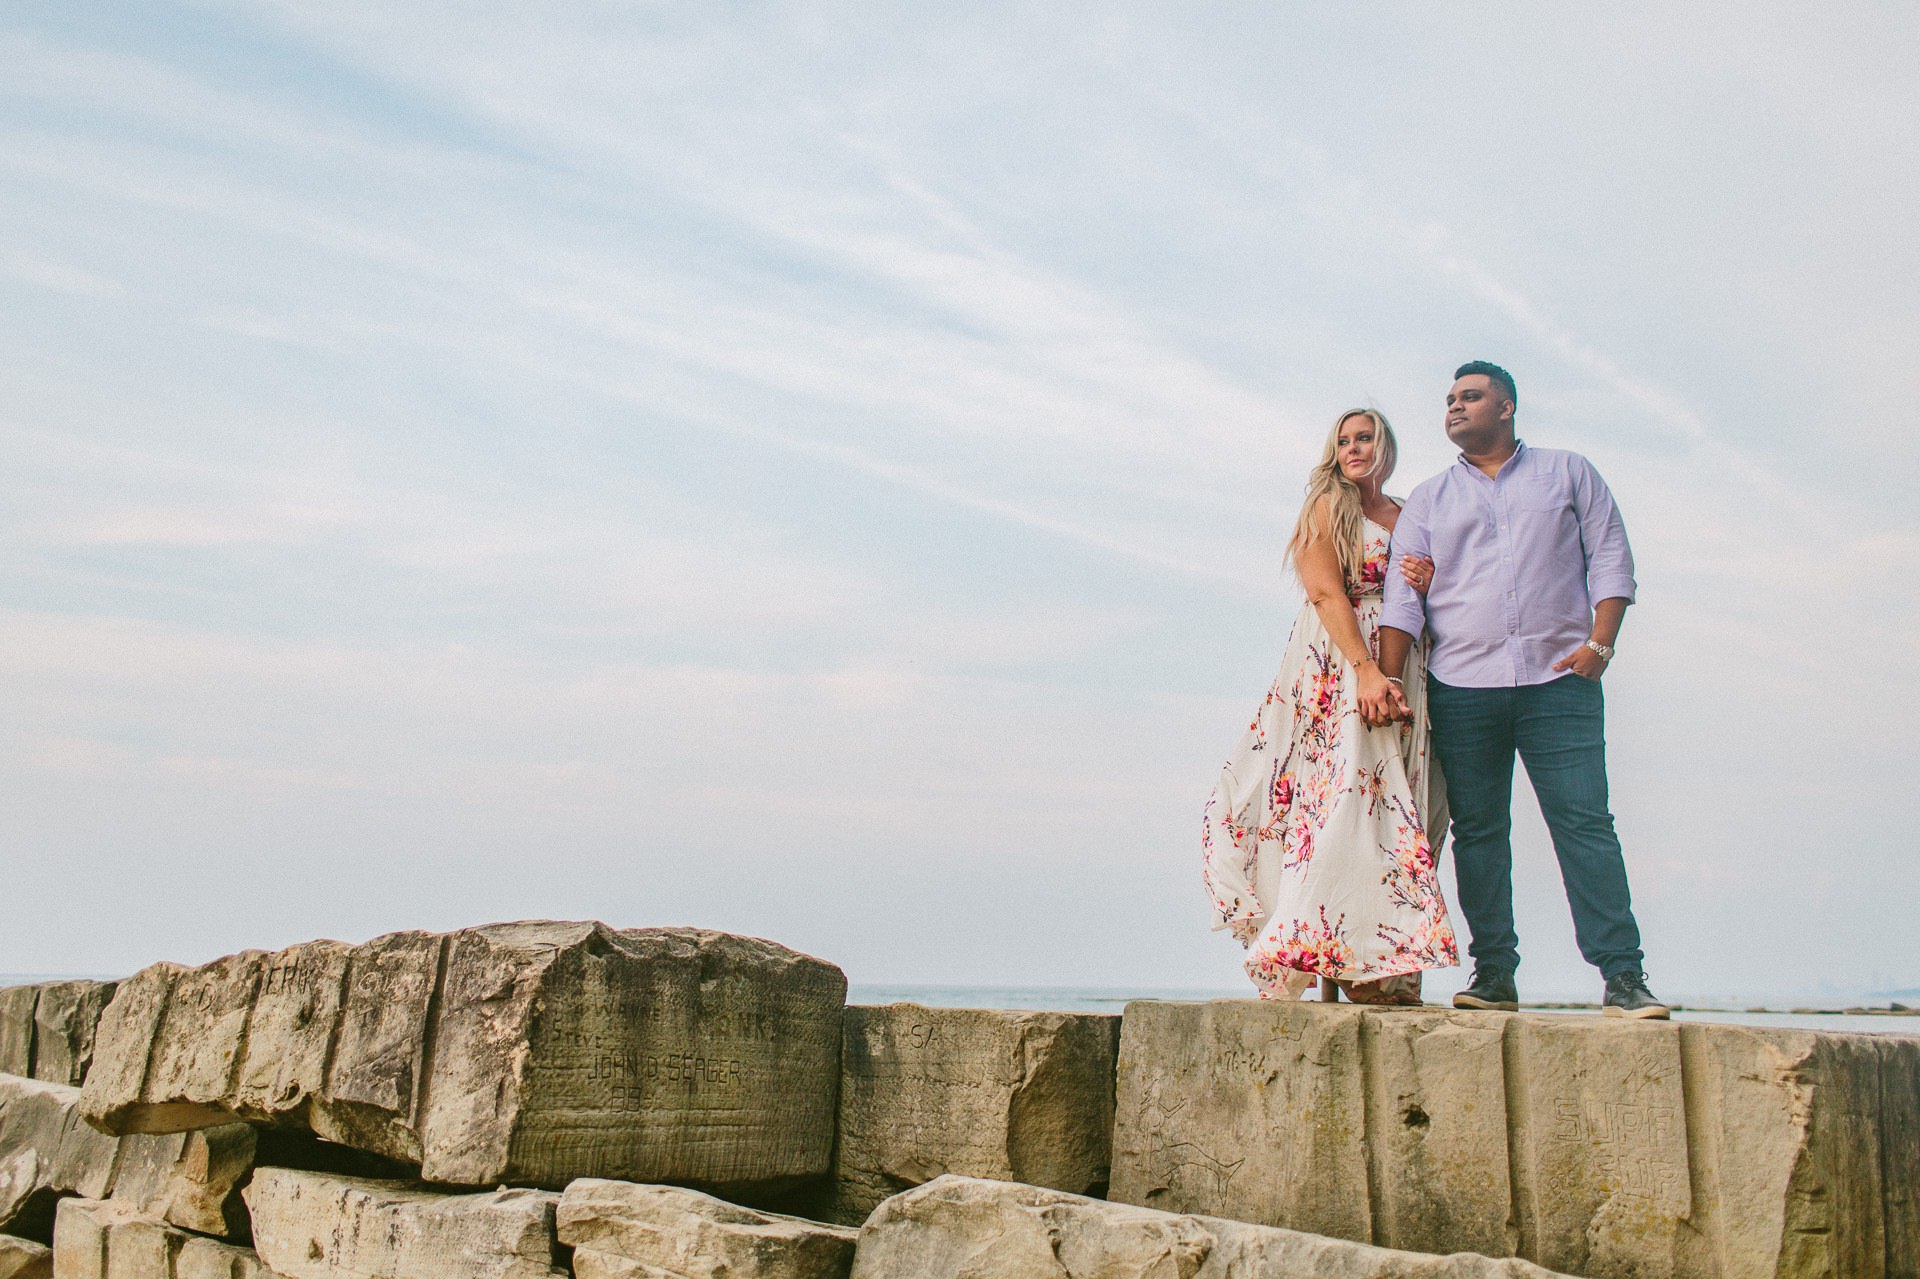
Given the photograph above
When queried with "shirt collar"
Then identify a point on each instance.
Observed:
(1519, 447)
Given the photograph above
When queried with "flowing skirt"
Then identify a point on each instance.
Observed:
(1315, 846)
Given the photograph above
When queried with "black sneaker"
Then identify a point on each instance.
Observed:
(1492, 988)
(1628, 996)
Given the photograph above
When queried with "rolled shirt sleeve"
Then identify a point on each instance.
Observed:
(1403, 608)
(1603, 536)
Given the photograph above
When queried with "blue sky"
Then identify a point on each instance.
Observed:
(823, 471)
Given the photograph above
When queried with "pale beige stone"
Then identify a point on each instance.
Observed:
(314, 1226)
(619, 1228)
(45, 1149)
(1244, 1109)
(1437, 1136)
(532, 1053)
(141, 1248)
(24, 1259)
(197, 1046)
(1596, 1146)
(964, 1228)
(190, 1179)
(1019, 1096)
(210, 1259)
(80, 1236)
(372, 1098)
(16, 1029)
(124, 1044)
(96, 1239)
(66, 1016)
(1803, 1161)
(1604, 1185)
(297, 1012)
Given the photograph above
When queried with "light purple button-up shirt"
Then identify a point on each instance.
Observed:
(1519, 561)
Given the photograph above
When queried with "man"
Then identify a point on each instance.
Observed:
(1531, 578)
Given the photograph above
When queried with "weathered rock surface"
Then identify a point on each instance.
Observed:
(24, 1259)
(1016, 1096)
(314, 1226)
(66, 1018)
(962, 1228)
(189, 1179)
(532, 1053)
(16, 1029)
(47, 1031)
(1595, 1147)
(45, 1151)
(618, 1229)
(102, 1240)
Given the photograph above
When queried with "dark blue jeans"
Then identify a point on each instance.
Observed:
(1559, 731)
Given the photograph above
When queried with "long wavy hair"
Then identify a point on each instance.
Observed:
(1326, 480)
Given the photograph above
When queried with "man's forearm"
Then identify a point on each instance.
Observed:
(1395, 644)
(1607, 616)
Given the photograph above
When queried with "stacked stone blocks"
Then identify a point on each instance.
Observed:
(1597, 1147)
(533, 1088)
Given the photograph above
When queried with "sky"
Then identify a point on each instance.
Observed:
(822, 471)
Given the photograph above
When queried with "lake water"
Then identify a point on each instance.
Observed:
(1086, 999)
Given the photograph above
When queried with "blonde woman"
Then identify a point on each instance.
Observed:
(1315, 845)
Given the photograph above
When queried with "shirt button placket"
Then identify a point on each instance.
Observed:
(1513, 584)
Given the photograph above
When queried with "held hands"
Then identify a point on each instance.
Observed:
(1418, 570)
(1382, 701)
(1583, 662)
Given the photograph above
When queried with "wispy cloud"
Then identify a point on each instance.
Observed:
(748, 462)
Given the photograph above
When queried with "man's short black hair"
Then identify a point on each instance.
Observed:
(1494, 373)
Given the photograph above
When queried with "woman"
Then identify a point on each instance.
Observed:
(1315, 844)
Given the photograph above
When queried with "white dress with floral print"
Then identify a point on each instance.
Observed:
(1315, 844)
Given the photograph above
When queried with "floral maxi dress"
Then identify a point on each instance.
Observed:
(1315, 846)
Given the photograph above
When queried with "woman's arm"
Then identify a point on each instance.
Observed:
(1327, 591)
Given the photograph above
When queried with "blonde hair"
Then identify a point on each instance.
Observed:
(1328, 481)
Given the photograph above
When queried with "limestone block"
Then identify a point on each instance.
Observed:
(297, 1011)
(1018, 1096)
(618, 1229)
(963, 1228)
(122, 1048)
(80, 1237)
(373, 1094)
(1900, 1153)
(16, 1029)
(314, 1226)
(46, 1150)
(1437, 1157)
(24, 1259)
(189, 1179)
(1604, 1185)
(1254, 1111)
(1597, 1147)
(1791, 1176)
(532, 1053)
(95, 1239)
(65, 1019)
(210, 1259)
